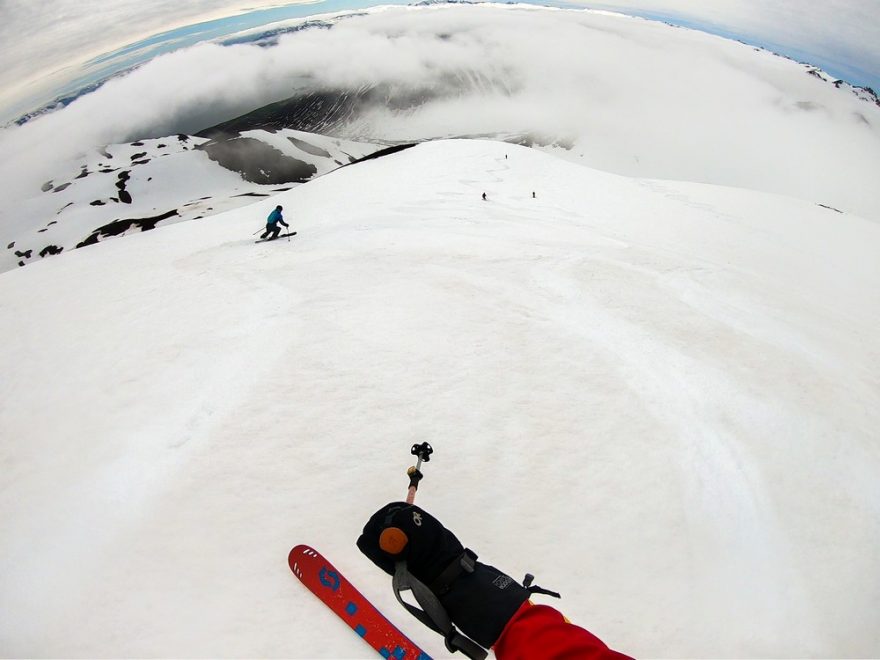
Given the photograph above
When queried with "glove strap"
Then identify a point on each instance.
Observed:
(434, 615)
(466, 563)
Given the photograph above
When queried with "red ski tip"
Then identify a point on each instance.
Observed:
(296, 554)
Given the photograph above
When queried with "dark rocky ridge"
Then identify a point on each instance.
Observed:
(332, 112)
(323, 112)
(118, 227)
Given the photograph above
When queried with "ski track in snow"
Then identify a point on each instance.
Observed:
(635, 391)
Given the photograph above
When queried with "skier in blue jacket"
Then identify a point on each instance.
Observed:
(275, 218)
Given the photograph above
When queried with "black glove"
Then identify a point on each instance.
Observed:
(401, 531)
(478, 598)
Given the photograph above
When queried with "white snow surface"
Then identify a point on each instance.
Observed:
(660, 398)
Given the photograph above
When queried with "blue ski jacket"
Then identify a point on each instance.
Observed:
(274, 218)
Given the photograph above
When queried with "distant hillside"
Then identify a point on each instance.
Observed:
(126, 188)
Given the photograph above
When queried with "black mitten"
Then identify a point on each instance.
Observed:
(478, 598)
(404, 531)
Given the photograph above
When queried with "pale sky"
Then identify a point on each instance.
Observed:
(843, 32)
(43, 42)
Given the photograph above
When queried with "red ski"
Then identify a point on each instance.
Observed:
(337, 593)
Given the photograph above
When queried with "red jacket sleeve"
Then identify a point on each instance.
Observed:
(539, 632)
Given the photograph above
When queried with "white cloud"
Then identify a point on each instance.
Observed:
(41, 47)
(634, 96)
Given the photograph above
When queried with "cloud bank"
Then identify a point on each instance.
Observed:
(628, 95)
(41, 49)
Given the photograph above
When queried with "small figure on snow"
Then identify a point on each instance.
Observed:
(275, 218)
(533, 194)
(484, 197)
(456, 590)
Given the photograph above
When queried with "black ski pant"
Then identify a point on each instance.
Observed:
(271, 229)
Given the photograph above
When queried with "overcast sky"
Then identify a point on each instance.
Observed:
(843, 32)
(43, 41)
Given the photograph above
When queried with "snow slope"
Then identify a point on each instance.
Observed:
(660, 398)
(127, 188)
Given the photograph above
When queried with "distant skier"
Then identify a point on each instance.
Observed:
(275, 218)
(455, 589)
(484, 197)
(533, 195)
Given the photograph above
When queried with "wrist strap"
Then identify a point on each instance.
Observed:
(434, 615)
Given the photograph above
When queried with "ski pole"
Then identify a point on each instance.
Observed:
(393, 539)
(423, 452)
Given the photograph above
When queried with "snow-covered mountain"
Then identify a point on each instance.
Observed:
(128, 188)
(661, 398)
(620, 94)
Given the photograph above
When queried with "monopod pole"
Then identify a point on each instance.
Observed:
(423, 452)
